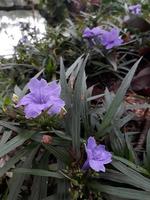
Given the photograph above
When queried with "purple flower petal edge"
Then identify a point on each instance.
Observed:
(97, 156)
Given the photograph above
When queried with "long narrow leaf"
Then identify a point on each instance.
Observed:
(148, 146)
(132, 165)
(6, 135)
(10, 126)
(66, 95)
(120, 191)
(109, 116)
(59, 153)
(76, 64)
(18, 179)
(40, 183)
(76, 110)
(15, 142)
(132, 174)
(38, 172)
(11, 162)
(62, 185)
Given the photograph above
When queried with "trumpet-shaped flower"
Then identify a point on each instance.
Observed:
(108, 39)
(135, 9)
(111, 38)
(97, 156)
(42, 97)
(92, 33)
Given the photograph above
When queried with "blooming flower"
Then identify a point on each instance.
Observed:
(108, 39)
(97, 156)
(135, 9)
(42, 97)
(91, 33)
(111, 38)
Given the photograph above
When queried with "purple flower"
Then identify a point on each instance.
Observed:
(97, 156)
(91, 33)
(111, 38)
(135, 9)
(42, 97)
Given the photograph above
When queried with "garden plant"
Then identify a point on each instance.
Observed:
(75, 105)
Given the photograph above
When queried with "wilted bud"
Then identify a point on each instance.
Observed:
(15, 98)
(62, 112)
(3, 161)
(47, 139)
(9, 174)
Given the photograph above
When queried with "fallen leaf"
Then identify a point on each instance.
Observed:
(141, 82)
(137, 22)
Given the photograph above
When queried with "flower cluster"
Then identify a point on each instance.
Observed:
(135, 9)
(97, 156)
(42, 97)
(108, 39)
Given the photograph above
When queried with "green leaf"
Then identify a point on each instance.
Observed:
(148, 146)
(62, 135)
(6, 135)
(132, 174)
(94, 97)
(10, 126)
(39, 172)
(75, 66)
(113, 61)
(72, 99)
(85, 108)
(40, 183)
(59, 152)
(76, 109)
(113, 108)
(18, 179)
(120, 191)
(125, 119)
(65, 93)
(15, 142)
(120, 137)
(7, 101)
(66, 96)
(62, 185)
(132, 155)
(117, 146)
(132, 165)
(118, 177)
(13, 160)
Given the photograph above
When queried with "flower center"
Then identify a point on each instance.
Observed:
(97, 155)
